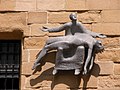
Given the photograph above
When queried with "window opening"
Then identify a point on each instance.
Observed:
(10, 53)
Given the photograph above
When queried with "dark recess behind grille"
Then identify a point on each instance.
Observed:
(10, 53)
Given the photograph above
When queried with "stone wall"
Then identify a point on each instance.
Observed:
(22, 19)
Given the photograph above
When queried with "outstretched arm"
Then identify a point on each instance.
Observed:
(56, 29)
(93, 34)
(87, 61)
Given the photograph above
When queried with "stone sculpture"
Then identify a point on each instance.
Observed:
(77, 38)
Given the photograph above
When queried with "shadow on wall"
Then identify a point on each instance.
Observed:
(63, 77)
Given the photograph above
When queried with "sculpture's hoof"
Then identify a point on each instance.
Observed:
(54, 72)
(77, 71)
(35, 65)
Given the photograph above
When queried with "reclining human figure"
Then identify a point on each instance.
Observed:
(77, 40)
(72, 30)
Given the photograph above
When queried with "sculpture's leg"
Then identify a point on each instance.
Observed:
(88, 59)
(42, 53)
(77, 71)
(92, 61)
(60, 54)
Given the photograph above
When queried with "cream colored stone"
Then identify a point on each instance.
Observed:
(46, 68)
(39, 81)
(58, 17)
(23, 82)
(25, 5)
(91, 82)
(107, 28)
(111, 16)
(102, 4)
(117, 69)
(36, 30)
(97, 4)
(110, 55)
(37, 17)
(53, 5)
(89, 17)
(10, 22)
(108, 82)
(75, 5)
(34, 42)
(105, 67)
(25, 55)
(33, 54)
(7, 5)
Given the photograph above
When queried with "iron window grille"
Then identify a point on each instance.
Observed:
(10, 53)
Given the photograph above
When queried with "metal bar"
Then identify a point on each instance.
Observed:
(5, 83)
(9, 59)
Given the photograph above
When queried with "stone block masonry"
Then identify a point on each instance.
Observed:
(23, 19)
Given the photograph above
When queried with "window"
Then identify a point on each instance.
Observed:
(10, 53)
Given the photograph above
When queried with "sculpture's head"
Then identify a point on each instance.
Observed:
(73, 16)
(98, 46)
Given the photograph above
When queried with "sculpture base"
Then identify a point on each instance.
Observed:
(70, 59)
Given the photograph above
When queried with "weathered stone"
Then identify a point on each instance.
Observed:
(7, 5)
(111, 42)
(109, 89)
(107, 28)
(75, 5)
(10, 22)
(26, 68)
(46, 88)
(13, 18)
(110, 55)
(88, 26)
(89, 17)
(25, 55)
(97, 4)
(114, 4)
(53, 5)
(33, 54)
(58, 17)
(36, 30)
(117, 69)
(108, 82)
(39, 81)
(102, 5)
(81, 89)
(25, 5)
(37, 17)
(105, 82)
(34, 42)
(111, 16)
(23, 81)
(46, 69)
(89, 82)
(101, 66)
(26, 32)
